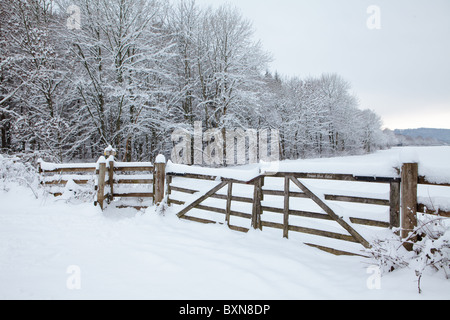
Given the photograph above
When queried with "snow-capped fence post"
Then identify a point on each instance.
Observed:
(159, 178)
(110, 152)
(410, 176)
(101, 181)
(111, 177)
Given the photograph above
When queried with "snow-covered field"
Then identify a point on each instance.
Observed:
(52, 248)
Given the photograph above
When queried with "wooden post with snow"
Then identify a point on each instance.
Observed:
(410, 175)
(110, 152)
(101, 181)
(159, 178)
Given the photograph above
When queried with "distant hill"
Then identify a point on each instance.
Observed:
(439, 136)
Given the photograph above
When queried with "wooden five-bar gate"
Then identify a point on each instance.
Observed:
(401, 204)
(258, 209)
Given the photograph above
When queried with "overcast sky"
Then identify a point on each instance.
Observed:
(401, 71)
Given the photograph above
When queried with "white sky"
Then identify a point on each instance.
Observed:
(401, 71)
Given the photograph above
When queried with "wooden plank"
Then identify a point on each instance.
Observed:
(272, 209)
(262, 185)
(133, 207)
(169, 185)
(211, 209)
(256, 204)
(201, 199)
(281, 193)
(240, 229)
(134, 195)
(111, 178)
(64, 182)
(194, 219)
(134, 181)
(299, 213)
(193, 176)
(228, 207)
(381, 202)
(101, 184)
(312, 175)
(394, 202)
(236, 181)
(321, 216)
(368, 222)
(307, 214)
(423, 208)
(323, 233)
(159, 182)
(409, 201)
(233, 198)
(177, 202)
(210, 178)
(183, 190)
(336, 252)
(240, 214)
(223, 211)
(272, 225)
(72, 169)
(376, 179)
(137, 169)
(332, 176)
(423, 180)
(331, 213)
(316, 232)
(286, 208)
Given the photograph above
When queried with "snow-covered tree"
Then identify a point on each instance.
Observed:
(123, 79)
(133, 71)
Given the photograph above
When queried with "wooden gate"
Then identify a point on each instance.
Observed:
(261, 210)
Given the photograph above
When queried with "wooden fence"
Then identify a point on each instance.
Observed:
(109, 179)
(114, 180)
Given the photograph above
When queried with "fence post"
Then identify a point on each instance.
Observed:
(169, 190)
(394, 203)
(286, 207)
(256, 210)
(228, 206)
(110, 152)
(101, 181)
(111, 178)
(159, 178)
(39, 166)
(410, 175)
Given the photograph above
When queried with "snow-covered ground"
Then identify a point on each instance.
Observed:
(52, 248)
